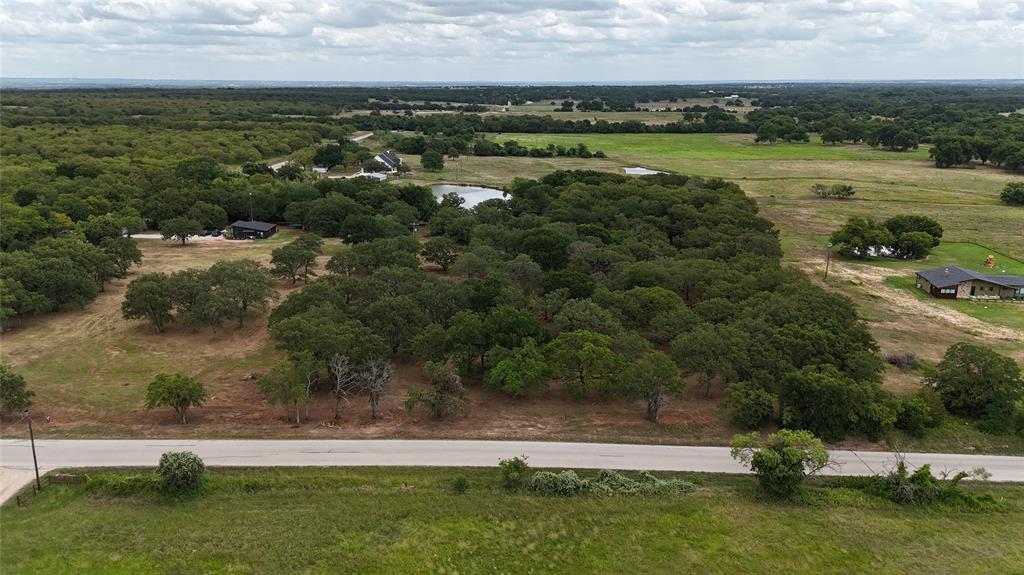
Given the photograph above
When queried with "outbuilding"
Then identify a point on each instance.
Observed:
(250, 230)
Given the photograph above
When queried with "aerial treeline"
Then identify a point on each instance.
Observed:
(472, 144)
(608, 286)
(141, 105)
(714, 120)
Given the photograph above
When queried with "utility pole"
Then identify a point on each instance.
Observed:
(250, 206)
(828, 258)
(32, 440)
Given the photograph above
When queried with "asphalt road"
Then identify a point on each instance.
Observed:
(15, 455)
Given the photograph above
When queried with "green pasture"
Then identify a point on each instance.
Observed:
(389, 521)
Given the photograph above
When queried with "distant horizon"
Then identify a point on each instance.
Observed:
(51, 82)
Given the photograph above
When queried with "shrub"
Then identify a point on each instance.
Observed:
(613, 482)
(568, 484)
(1013, 194)
(839, 191)
(782, 460)
(923, 488)
(750, 405)
(460, 485)
(904, 361)
(181, 471)
(914, 416)
(513, 472)
(562, 484)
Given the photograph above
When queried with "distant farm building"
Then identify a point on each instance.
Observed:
(278, 165)
(389, 160)
(959, 283)
(242, 230)
(320, 169)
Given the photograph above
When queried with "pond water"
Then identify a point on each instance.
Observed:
(472, 194)
(638, 171)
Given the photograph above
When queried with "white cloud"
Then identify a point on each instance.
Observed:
(553, 40)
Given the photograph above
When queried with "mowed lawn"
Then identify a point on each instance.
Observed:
(389, 521)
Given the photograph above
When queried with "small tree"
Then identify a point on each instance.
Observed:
(653, 378)
(581, 360)
(519, 371)
(123, 252)
(377, 376)
(432, 161)
(782, 460)
(441, 251)
(181, 471)
(180, 229)
(286, 385)
(976, 381)
(292, 261)
(150, 296)
(176, 391)
(14, 395)
(446, 395)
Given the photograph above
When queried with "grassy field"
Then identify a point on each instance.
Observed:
(707, 147)
(380, 520)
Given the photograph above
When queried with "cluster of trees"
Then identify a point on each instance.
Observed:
(904, 236)
(200, 297)
(956, 149)
(583, 278)
(771, 127)
(70, 269)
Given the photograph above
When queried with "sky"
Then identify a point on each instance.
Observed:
(513, 41)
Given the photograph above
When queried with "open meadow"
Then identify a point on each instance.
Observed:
(388, 520)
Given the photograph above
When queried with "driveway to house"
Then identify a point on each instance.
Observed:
(16, 456)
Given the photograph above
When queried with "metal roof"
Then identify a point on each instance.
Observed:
(953, 275)
(258, 226)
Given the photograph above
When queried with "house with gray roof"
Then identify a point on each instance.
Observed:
(958, 283)
(389, 160)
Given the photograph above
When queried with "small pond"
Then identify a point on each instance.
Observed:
(638, 171)
(473, 194)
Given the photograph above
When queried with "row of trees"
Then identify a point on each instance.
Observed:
(200, 297)
(950, 150)
(904, 236)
